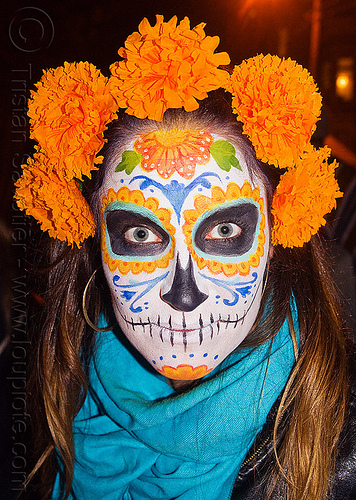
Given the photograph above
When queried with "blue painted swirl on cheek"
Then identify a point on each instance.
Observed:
(131, 290)
(127, 295)
(236, 288)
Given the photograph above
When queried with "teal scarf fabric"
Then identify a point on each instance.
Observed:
(135, 438)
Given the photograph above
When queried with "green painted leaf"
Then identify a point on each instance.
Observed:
(224, 154)
(79, 184)
(129, 160)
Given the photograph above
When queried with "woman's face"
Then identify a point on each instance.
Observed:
(185, 243)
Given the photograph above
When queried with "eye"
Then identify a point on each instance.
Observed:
(224, 230)
(227, 231)
(141, 234)
(134, 234)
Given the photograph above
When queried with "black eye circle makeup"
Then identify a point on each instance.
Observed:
(227, 231)
(132, 234)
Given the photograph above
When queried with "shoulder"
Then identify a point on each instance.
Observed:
(253, 473)
(344, 480)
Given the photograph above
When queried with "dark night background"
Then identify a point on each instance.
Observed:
(37, 35)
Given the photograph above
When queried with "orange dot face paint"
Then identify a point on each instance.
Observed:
(184, 250)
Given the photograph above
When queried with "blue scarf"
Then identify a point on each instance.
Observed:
(135, 438)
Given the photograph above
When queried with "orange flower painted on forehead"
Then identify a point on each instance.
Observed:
(202, 204)
(125, 195)
(174, 151)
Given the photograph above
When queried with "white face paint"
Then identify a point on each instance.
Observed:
(184, 255)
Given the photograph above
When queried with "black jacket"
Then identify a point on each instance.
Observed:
(252, 476)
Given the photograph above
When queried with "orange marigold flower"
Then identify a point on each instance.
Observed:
(304, 195)
(174, 151)
(167, 66)
(278, 102)
(68, 115)
(55, 203)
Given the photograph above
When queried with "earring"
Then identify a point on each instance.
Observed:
(97, 329)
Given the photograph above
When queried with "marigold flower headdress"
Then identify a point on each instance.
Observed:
(164, 66)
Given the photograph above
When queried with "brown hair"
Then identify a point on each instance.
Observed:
(312, 410)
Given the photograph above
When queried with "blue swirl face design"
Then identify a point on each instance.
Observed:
(237, 288)
(134, 292)
(177, 192)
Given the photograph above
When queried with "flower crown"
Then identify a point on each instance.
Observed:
(172, 66)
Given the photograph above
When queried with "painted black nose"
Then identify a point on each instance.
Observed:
(184, 294)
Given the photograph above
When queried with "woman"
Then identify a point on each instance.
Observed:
(183, 347)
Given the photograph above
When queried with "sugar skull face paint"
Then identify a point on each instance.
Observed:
(185, 258)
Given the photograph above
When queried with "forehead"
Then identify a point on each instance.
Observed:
(189, 160)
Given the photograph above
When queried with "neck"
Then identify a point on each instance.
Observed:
(182, 385)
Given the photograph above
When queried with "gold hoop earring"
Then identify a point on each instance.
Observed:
(96, 328)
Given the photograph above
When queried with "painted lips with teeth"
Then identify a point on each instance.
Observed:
(183, 333)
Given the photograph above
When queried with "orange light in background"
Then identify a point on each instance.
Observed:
(342, 81)
(345, 78)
